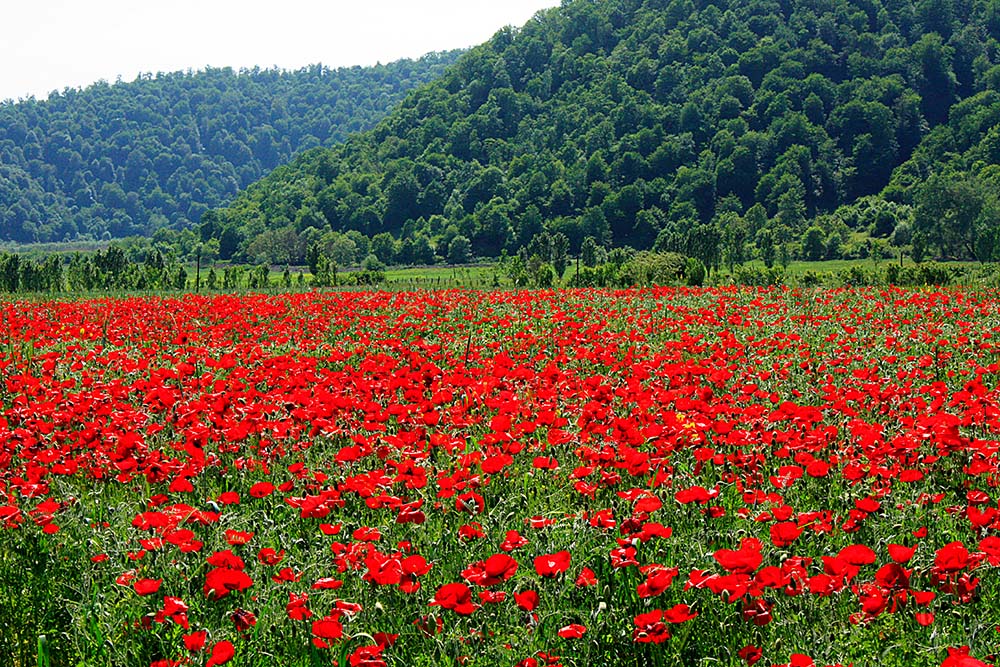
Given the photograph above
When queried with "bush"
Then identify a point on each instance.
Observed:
(753, 276)
(927, 273)
(859, 276)
(694, 272)
(653, 268)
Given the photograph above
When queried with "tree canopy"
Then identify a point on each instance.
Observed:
(115, 160)
(715, 128)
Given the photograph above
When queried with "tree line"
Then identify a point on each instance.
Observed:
(116, 268)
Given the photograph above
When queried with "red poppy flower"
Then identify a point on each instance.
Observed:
(751, 654)
(471, 531)
(551, 565)
(492, 597)
(261, 489)
(951, 557)
(147, 586)
(229, 498)
(513, 540)
(330, 529)
(818, 468)
(959, 657)
(268, 556)
(238, 537)
(650, 628)
(222, 652)
(586, 578)
(624, 556)
(367, 656)
(222, 581)
(694, 494)
(658, 580)
(456, 596)
(757, 611)
(494, 570)
(195, 641)
(783, 534)
(651, 529)
(893, 576)
(385, 570)
(679, 613)
(470, 502)
(744, 560)
(366, 534)
(901, 554)
(243, 620)
(416, 565)
(226, 559)
(648, 504)
(572, 631)
(328, 627)
(526, 600)
(296, 608)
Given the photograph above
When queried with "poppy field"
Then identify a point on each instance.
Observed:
(717, 476)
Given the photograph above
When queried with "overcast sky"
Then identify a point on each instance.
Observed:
(50, 45)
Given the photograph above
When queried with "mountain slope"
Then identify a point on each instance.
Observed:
(131, 158)
(647, 123)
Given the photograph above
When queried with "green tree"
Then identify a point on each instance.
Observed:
(765, 245)
(10, 272)
(704, 243)
(735, 236)
(588, 252)
(814, 244)
(959, 214)
(401, 193)
(560, 253)
(459, 250)
(383, 246)
(937, 80)
(494, 230)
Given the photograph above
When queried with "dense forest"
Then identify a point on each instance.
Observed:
(719, 129)
(154, 154)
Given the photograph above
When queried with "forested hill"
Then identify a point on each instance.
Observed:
(717, 128)
(131, 158)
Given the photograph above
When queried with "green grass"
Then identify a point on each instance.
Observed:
(473, 276)
(476, 275)
(798, 267)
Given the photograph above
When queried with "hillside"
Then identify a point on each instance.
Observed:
(722, 130)
(133, 158)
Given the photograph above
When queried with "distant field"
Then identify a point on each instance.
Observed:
(479, 275)
(797, 268)
(486, 276)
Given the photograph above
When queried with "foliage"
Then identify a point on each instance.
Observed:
(116, 160)
(665, 126)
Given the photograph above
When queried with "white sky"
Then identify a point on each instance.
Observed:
(48, 45)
